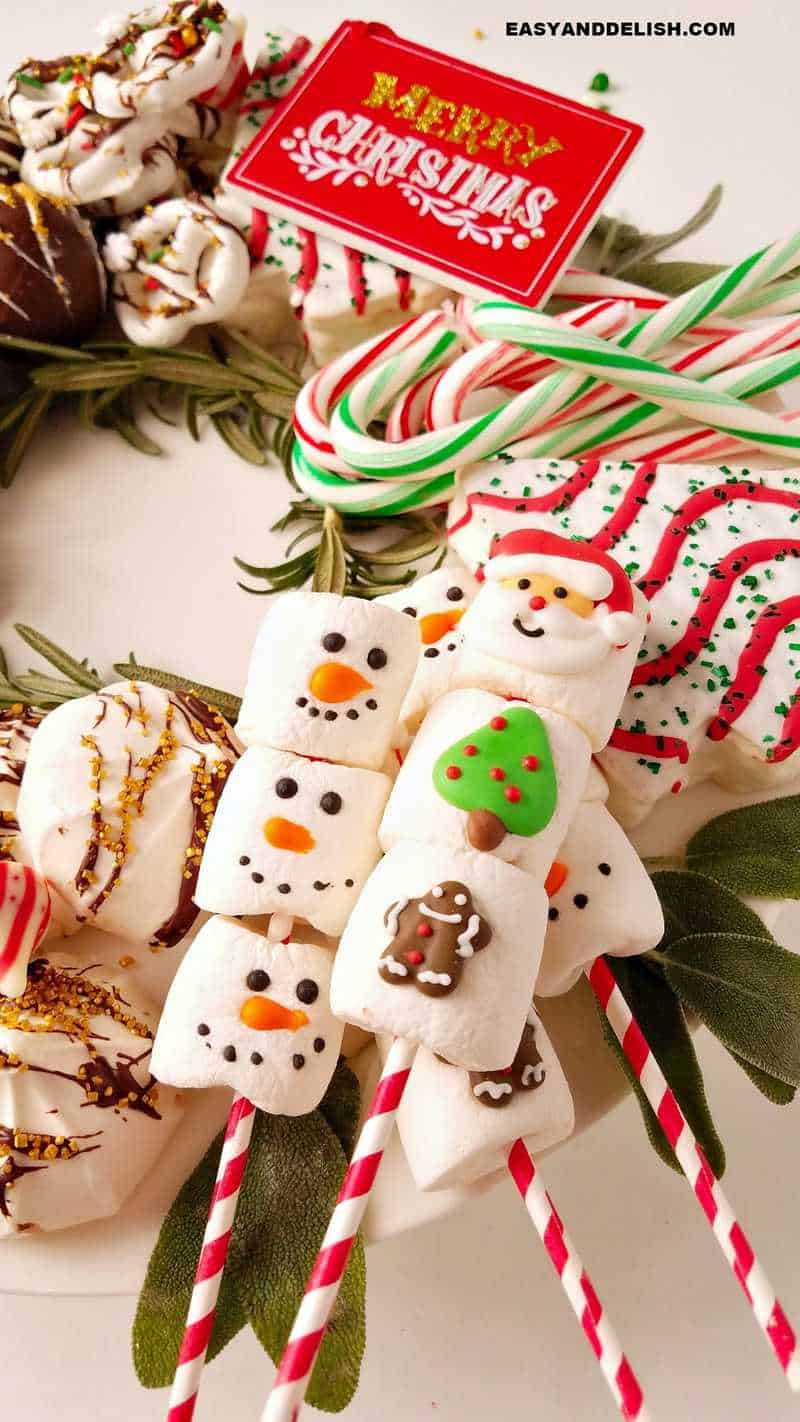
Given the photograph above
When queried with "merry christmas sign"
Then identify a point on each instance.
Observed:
(472, 179)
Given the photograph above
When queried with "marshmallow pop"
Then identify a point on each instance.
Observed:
(437, 602)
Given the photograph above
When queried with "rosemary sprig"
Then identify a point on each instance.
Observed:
(36, 688)
(335, 563)
(231, 382)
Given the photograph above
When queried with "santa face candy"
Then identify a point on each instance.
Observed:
(327, 678)
(456, 1127)
(292, 836)
(24, 918)
(253, 1015)
(602, 900)
(437, 602)
(81, 1118)
(714, 552)
(556, 623)
(442, 948)
(118, 797)
(488, 774)
(178, 266)
(52, 284)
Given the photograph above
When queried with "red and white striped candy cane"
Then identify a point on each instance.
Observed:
(305, 1340)
(214, 1252)
(577, 1285)
(732, 1239)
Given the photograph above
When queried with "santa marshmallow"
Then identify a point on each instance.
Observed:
(556, 622)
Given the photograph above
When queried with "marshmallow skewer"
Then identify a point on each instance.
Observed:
(213, 1255)
(727, 1230)
(305, 1340)
(577, 1285)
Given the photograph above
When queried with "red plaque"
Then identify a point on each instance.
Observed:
(477, 181)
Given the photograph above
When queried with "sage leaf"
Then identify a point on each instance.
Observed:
(754, 850)
(340, 1107)
(671, 278)
(647, 247)
(164, 1300)
(295, 1169)
(778, 1092)
(726, 967)
(659, 1014)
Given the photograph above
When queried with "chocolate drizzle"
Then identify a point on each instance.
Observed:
(33, 1146)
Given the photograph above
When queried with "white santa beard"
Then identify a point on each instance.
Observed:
(569, 643)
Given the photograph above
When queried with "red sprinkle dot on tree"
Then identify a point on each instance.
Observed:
(497, 773)
(530, 762)
(470, 750)
(453, 773)
(424, 930)
(498, 723)
(513, 794)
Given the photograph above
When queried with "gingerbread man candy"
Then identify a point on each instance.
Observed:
(432, 937)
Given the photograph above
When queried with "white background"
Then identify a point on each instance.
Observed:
(109, 552)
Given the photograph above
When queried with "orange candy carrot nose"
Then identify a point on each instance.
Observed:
(556, 878)
(285, 834)
(435, 625)
(333, 681)
(264, 1015)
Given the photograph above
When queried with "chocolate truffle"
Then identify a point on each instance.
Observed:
(52, 286)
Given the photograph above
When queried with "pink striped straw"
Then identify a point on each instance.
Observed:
(577, 1285)
(213, 1254)
(728, 1231)
(305, 1340)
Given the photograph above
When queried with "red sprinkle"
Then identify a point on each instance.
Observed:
(424, 930)
(496, 773)
(453, 773)
(177, 44)
(676, 787)
(415, 958)
(76, 113)
(152, 283)
(512, 793)
(470, 750)
(530, 762)
(498, 723)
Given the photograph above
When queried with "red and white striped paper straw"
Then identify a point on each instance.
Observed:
(214, 1252)
(729, 1233)
(577, 1285)
(305, 1340)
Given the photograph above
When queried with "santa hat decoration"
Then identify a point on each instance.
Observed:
(578, 565)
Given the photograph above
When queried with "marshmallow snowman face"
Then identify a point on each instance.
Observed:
(293, 836)
(602, 900)
(437, 602)
(327, 678)
(253, 1015)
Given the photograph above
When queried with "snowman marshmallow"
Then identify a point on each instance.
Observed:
(443, 948)
(251, 1014)
(602, 900)
(457, 1127)
(294, 836)
(489, 774)
(327, 678)
(437, 602)
(557, 623)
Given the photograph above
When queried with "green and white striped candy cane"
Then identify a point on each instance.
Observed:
(666, 389)
(368, 496)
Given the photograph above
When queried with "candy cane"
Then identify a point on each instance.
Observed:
(698, 445)
(431, 459)
(577, 1285)
(580, 286)
(305, 1340)
(213, 1254)
(727, 1230)
(654, 383)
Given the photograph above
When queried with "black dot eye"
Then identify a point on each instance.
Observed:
(319, 1044)
(560, 592)
(552, 913)
(454, 594)
(331, 803)
(256, 1058)
(298, 1061)
(229, 1053)
(604, 868)
(376, 658)
(203, 1029)
(333, 641)
(307, 991)
(524, 584)
(258, 980)
(581, 900)
(244, 859)
(410, 611)
(256, 877)
(285, 788)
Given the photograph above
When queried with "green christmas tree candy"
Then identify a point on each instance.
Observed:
(502, 776)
